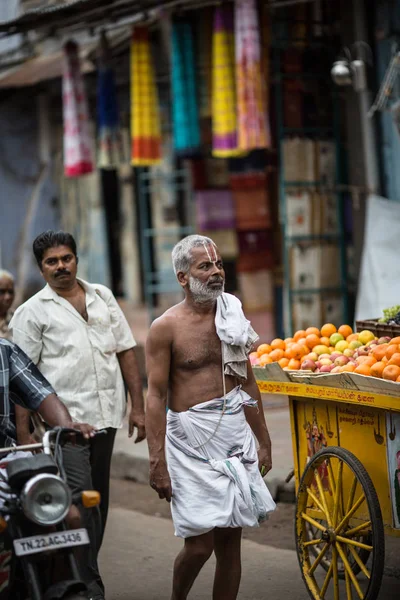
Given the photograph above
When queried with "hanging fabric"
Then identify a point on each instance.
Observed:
(109, 135)
(224, 122)
(145, 111)
(253, 127)
(185, 112)
(204, 60)
(78, 158)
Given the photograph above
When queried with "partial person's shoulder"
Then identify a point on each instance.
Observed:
(102, 290)
(29, 307)
(163, 327)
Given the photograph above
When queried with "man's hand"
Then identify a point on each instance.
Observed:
(264, 459)
(25, 439)
(136, 419)
(86, 430)
(160, 481)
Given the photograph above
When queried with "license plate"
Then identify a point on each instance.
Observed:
(50, 541)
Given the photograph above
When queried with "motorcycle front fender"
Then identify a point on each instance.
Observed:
(64, 589)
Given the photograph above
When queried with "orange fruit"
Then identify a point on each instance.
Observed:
(265, 359)
(349, 368)
(379, 351)
(297, 351)
(395, 340)
(276, 355)
(391, 372)
(398, 379)
(278, 344)
(385, 360)
(302, 341)
(294, 364)
(345, 330)
(377, 369)
(313, 331)
(390, 350)
(283, 362)
(263, 349)
(299, 334)
(395, 360)
(352, 338)
(327, 330)
(312, 340)
(288, 340)
(366, 360)
(363, 370)
(325, 341)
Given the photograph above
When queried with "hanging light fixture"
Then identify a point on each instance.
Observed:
(352, 71)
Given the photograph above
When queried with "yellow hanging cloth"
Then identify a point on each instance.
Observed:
(145, 110)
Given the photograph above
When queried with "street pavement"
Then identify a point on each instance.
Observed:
(138, 553)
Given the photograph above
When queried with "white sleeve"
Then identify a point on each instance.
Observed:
(26, 332)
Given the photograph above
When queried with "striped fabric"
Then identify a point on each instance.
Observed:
(224, 121)
(185, 112)
(145, 111)
(253, 126)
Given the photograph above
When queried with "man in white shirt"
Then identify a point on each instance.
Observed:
(77, 335)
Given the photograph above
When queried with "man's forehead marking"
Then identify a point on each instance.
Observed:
(210, 249)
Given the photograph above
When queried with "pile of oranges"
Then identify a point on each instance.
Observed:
(333, 350)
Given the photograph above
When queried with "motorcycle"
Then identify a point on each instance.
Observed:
(38, 561)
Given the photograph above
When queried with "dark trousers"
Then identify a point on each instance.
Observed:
(87, 466)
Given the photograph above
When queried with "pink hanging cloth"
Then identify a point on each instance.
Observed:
(253, 126)
(78, 158)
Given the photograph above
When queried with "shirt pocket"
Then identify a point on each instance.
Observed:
(103, 333)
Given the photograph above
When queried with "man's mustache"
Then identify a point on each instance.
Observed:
(64, 272)
(218, 280)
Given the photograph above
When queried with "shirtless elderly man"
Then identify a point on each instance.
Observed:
(203, 455)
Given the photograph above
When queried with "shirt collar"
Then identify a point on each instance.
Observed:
(47, 293)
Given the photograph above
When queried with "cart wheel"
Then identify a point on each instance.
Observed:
(338, 528)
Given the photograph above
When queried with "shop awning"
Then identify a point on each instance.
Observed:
(80, 14)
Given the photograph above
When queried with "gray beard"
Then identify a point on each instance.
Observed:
(201, 293)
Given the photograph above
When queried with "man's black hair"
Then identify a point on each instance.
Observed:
(51, 239)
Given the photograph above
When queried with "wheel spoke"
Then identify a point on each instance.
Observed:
(326, 581)
(351, 496)
(330, 476)
(316, 501)
(335, 574)
(318, 559)
(349, 593)
(359, 529)
(360, 562)
(349, 514)
(337, 494)
(322, 496)
(312, 543)
(354, 543)
(349, 570)
(313, 522)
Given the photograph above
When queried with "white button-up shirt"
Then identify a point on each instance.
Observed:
(78, 358)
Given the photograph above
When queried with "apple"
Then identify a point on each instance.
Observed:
(349, 352)
(313, 356)
(323, 356)
(384, 340)
(335, 355)
(341, 361)
(325, 361)
(326, 369)
(318, 364)
(363, 351)
(336, 370)
(308, 365)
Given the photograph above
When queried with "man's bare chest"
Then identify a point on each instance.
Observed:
(196, 347)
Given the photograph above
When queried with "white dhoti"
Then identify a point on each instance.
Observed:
(217, 484)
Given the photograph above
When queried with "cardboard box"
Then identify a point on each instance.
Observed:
(256, 290)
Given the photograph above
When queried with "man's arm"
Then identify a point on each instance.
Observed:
(256, 420)
(131, 374)
(158, 360)
(56, 414)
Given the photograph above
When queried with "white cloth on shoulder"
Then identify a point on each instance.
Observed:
(215, 482)
(236, 334)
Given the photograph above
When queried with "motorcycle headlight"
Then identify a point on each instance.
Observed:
(46, 499)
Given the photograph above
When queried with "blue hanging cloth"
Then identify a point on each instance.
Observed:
(185, 113)
(109, 135)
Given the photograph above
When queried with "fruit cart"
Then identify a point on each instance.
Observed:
(346, 447)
